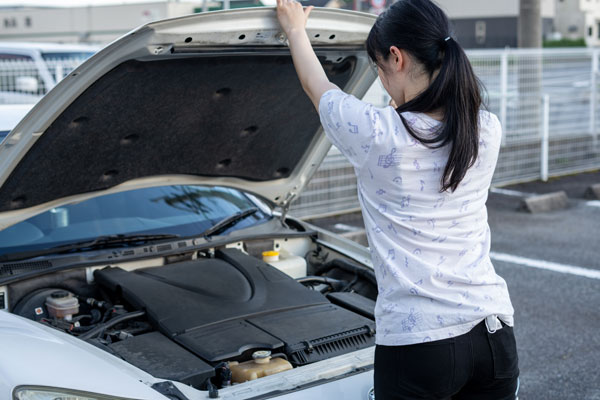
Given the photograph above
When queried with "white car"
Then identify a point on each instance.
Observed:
(10, 115)
(30, 70)
(145, 246)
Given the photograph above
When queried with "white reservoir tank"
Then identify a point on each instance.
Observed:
(290, 264)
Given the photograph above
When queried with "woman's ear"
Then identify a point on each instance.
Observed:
(397, 58)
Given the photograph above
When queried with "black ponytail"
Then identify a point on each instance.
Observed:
(421, 28)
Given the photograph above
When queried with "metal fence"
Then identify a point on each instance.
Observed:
(547, 101)
(25, 81)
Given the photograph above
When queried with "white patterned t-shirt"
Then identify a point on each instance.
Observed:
(430, 250)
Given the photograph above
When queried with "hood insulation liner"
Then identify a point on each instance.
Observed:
(227, 116)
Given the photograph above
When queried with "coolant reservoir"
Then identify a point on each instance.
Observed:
(261, 365)
(293, 265)
(62, 304)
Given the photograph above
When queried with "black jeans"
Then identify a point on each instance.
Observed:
(475, 366)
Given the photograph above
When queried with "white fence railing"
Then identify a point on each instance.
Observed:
(547, 101)
(25, 81)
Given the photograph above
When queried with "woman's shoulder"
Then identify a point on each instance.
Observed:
(488, 119)
(490, 128)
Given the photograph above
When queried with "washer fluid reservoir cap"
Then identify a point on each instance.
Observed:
(270, 256)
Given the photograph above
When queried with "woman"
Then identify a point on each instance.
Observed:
(444, 317)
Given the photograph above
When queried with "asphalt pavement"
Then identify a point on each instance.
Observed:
(553, 275)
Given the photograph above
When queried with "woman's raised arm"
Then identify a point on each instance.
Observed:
(292, 18)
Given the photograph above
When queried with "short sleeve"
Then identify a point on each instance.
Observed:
(350, 124)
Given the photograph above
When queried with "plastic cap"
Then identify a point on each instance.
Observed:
(59, 294)
(261, 354)
(270, 253)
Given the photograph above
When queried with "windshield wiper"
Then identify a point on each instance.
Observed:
(108, 241)
(111, 240)
(101, 242)
(228, 222)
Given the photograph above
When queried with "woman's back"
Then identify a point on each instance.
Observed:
(430, 249)
(422, 185)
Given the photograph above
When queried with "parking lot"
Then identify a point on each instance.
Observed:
(551, 262)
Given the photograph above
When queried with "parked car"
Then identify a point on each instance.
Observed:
(145, 247)
(10, 115)
(30, 70)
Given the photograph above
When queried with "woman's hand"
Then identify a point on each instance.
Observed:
(291, 16)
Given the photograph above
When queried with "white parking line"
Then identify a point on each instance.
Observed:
(563, 268)
(508, 192)
(515, 193)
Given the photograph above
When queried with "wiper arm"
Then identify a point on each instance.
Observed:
(101, 242)
(228, 222)
(110, 240)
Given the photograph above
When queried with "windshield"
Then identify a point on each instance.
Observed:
(179, 210)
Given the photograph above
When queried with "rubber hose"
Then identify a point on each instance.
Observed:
(335, 284)
(101, 327)
(347, 266)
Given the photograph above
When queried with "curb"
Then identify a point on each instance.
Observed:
(545, 202)
(593, 192)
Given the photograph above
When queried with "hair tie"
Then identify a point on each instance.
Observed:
(448, 38)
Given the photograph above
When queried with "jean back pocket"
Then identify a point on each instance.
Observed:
(504, 352)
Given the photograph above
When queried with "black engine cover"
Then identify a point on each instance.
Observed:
(221, 307)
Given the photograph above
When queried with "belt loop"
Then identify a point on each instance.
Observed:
(492, 323)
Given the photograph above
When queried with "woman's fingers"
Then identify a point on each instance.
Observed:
(307, 11)
(292, 15)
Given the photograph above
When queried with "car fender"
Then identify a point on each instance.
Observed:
(33, 354)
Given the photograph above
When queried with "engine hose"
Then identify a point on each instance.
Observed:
(109, 324)
(335, 284)
(349, 285)
(280, 355)
(81, 329)
(347, 266)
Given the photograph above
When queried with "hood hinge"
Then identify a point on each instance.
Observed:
(285, 207)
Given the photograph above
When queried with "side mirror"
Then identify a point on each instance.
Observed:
(26, 84)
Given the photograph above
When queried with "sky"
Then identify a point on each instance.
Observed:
(69, 3)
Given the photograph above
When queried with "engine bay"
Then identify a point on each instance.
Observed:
(216, 318)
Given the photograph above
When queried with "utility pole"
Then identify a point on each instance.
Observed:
(530, 24)
(530, 70)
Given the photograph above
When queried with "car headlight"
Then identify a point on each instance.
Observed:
(50, 393)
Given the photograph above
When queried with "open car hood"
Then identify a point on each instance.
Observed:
(210, 98)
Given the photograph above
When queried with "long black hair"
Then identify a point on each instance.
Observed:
(421, 28)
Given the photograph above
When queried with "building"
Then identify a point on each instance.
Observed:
(92, 24)
(492, 23)
(579, 19)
